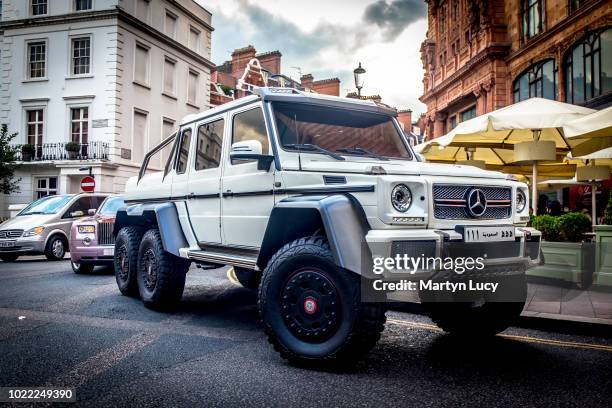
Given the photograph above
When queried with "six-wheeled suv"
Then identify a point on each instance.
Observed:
(43, 227)
(301, 194)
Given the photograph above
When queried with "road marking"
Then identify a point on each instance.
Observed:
(97, 364)
(526, 339)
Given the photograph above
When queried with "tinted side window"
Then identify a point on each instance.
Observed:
(250, 125)
(210, 139)
(183, 153)
(82, 204)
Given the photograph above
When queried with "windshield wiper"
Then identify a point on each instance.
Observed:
(311, 147)
(361, 151)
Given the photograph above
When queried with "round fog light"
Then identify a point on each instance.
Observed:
(86, 240)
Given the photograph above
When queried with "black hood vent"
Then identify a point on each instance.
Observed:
(334, 179)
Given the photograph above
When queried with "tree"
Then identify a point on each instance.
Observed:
(8, 155)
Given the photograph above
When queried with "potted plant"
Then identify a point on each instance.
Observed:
(603, 247)
(73, 149)
(566, 256)
(27, 150)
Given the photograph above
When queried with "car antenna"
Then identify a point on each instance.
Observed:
(297, 139)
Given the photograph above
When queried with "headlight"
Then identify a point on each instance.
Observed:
(33, 231)
(86, 229)
(521, 201)
(401, 198)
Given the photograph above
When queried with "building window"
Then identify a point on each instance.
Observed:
(82, 5)
(168, 128)
(81, 55)
(44, 186)
(39, 7)
(192, 88)
(453, 121)
(575, 4)
(79, 125)
(169, 77)
(588, 67)
(143, 10)
(141, 65)
(208, 152)
(539, 80)
(35, 126)
(170, 25)
(194, 39)
(468, 113)
(139, 135)
(533, 18)
(37, 59)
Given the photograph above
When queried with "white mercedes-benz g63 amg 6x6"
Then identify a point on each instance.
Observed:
(302, 194)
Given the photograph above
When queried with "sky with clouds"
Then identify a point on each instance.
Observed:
(328, 38)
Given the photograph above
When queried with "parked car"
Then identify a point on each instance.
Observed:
(91, 239)
(43, 227)
(301, 193)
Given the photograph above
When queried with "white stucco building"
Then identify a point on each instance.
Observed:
(114, 76)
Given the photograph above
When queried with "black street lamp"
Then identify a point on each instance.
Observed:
(359, 73)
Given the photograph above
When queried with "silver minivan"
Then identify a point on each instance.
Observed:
(43, 227)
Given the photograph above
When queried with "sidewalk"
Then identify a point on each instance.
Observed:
(554, 301)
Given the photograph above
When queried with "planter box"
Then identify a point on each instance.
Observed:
(603, 255)
(568, 261)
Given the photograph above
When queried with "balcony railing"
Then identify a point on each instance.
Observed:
(57, 151)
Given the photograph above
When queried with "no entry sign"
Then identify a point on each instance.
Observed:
(88, 184)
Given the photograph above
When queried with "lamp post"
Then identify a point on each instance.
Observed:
(359, 73)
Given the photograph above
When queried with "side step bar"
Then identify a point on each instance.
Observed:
(224, 259)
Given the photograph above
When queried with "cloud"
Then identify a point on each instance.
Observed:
(394, 16)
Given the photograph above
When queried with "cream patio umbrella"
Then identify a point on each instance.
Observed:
(531, 128)
(596, 166)
(595, 128)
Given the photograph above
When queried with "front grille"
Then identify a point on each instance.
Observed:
(10, 234)
(450, 202)
(414, 249)
(105, 233)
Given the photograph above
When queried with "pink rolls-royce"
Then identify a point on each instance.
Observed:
(91, 239)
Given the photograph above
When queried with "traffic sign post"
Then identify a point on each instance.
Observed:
(88, 184)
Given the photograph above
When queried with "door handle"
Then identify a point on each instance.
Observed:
(191, 196)
(228, 193)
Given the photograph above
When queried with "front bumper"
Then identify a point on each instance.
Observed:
(523, 252)
(99, 254)
(23, 246)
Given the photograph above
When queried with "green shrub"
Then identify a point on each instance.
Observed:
(573, 225)
(27, 148)
(607, 218)
(548, 226)
(72, 147)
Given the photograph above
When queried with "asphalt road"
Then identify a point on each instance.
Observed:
(62, 329)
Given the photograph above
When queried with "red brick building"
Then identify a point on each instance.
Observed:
(263, 69)
(483, 55)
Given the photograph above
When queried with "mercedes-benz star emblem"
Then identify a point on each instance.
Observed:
(476, 202)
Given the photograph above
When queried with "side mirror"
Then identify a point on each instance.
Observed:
(76, 214)
(251, 150)
(91, 211)
(420, 157)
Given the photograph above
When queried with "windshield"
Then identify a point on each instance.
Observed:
(46, 205)
(110, 206)
(342, 131)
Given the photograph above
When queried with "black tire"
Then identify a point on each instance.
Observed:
(326, 321)
(161, 275)
(125, 260)
(81, 268)
(470, 320)
(9, 257)
(56, 248)
(248, 278)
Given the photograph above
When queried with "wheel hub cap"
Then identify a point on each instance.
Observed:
(311, 305)
(150, 269)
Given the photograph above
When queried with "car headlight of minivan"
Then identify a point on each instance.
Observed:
(86, 229)
(33, 231)
(401, 197)
(521, 201)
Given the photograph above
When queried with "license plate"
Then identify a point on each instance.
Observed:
(7, 244)
(488, 234)
(109, 251)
